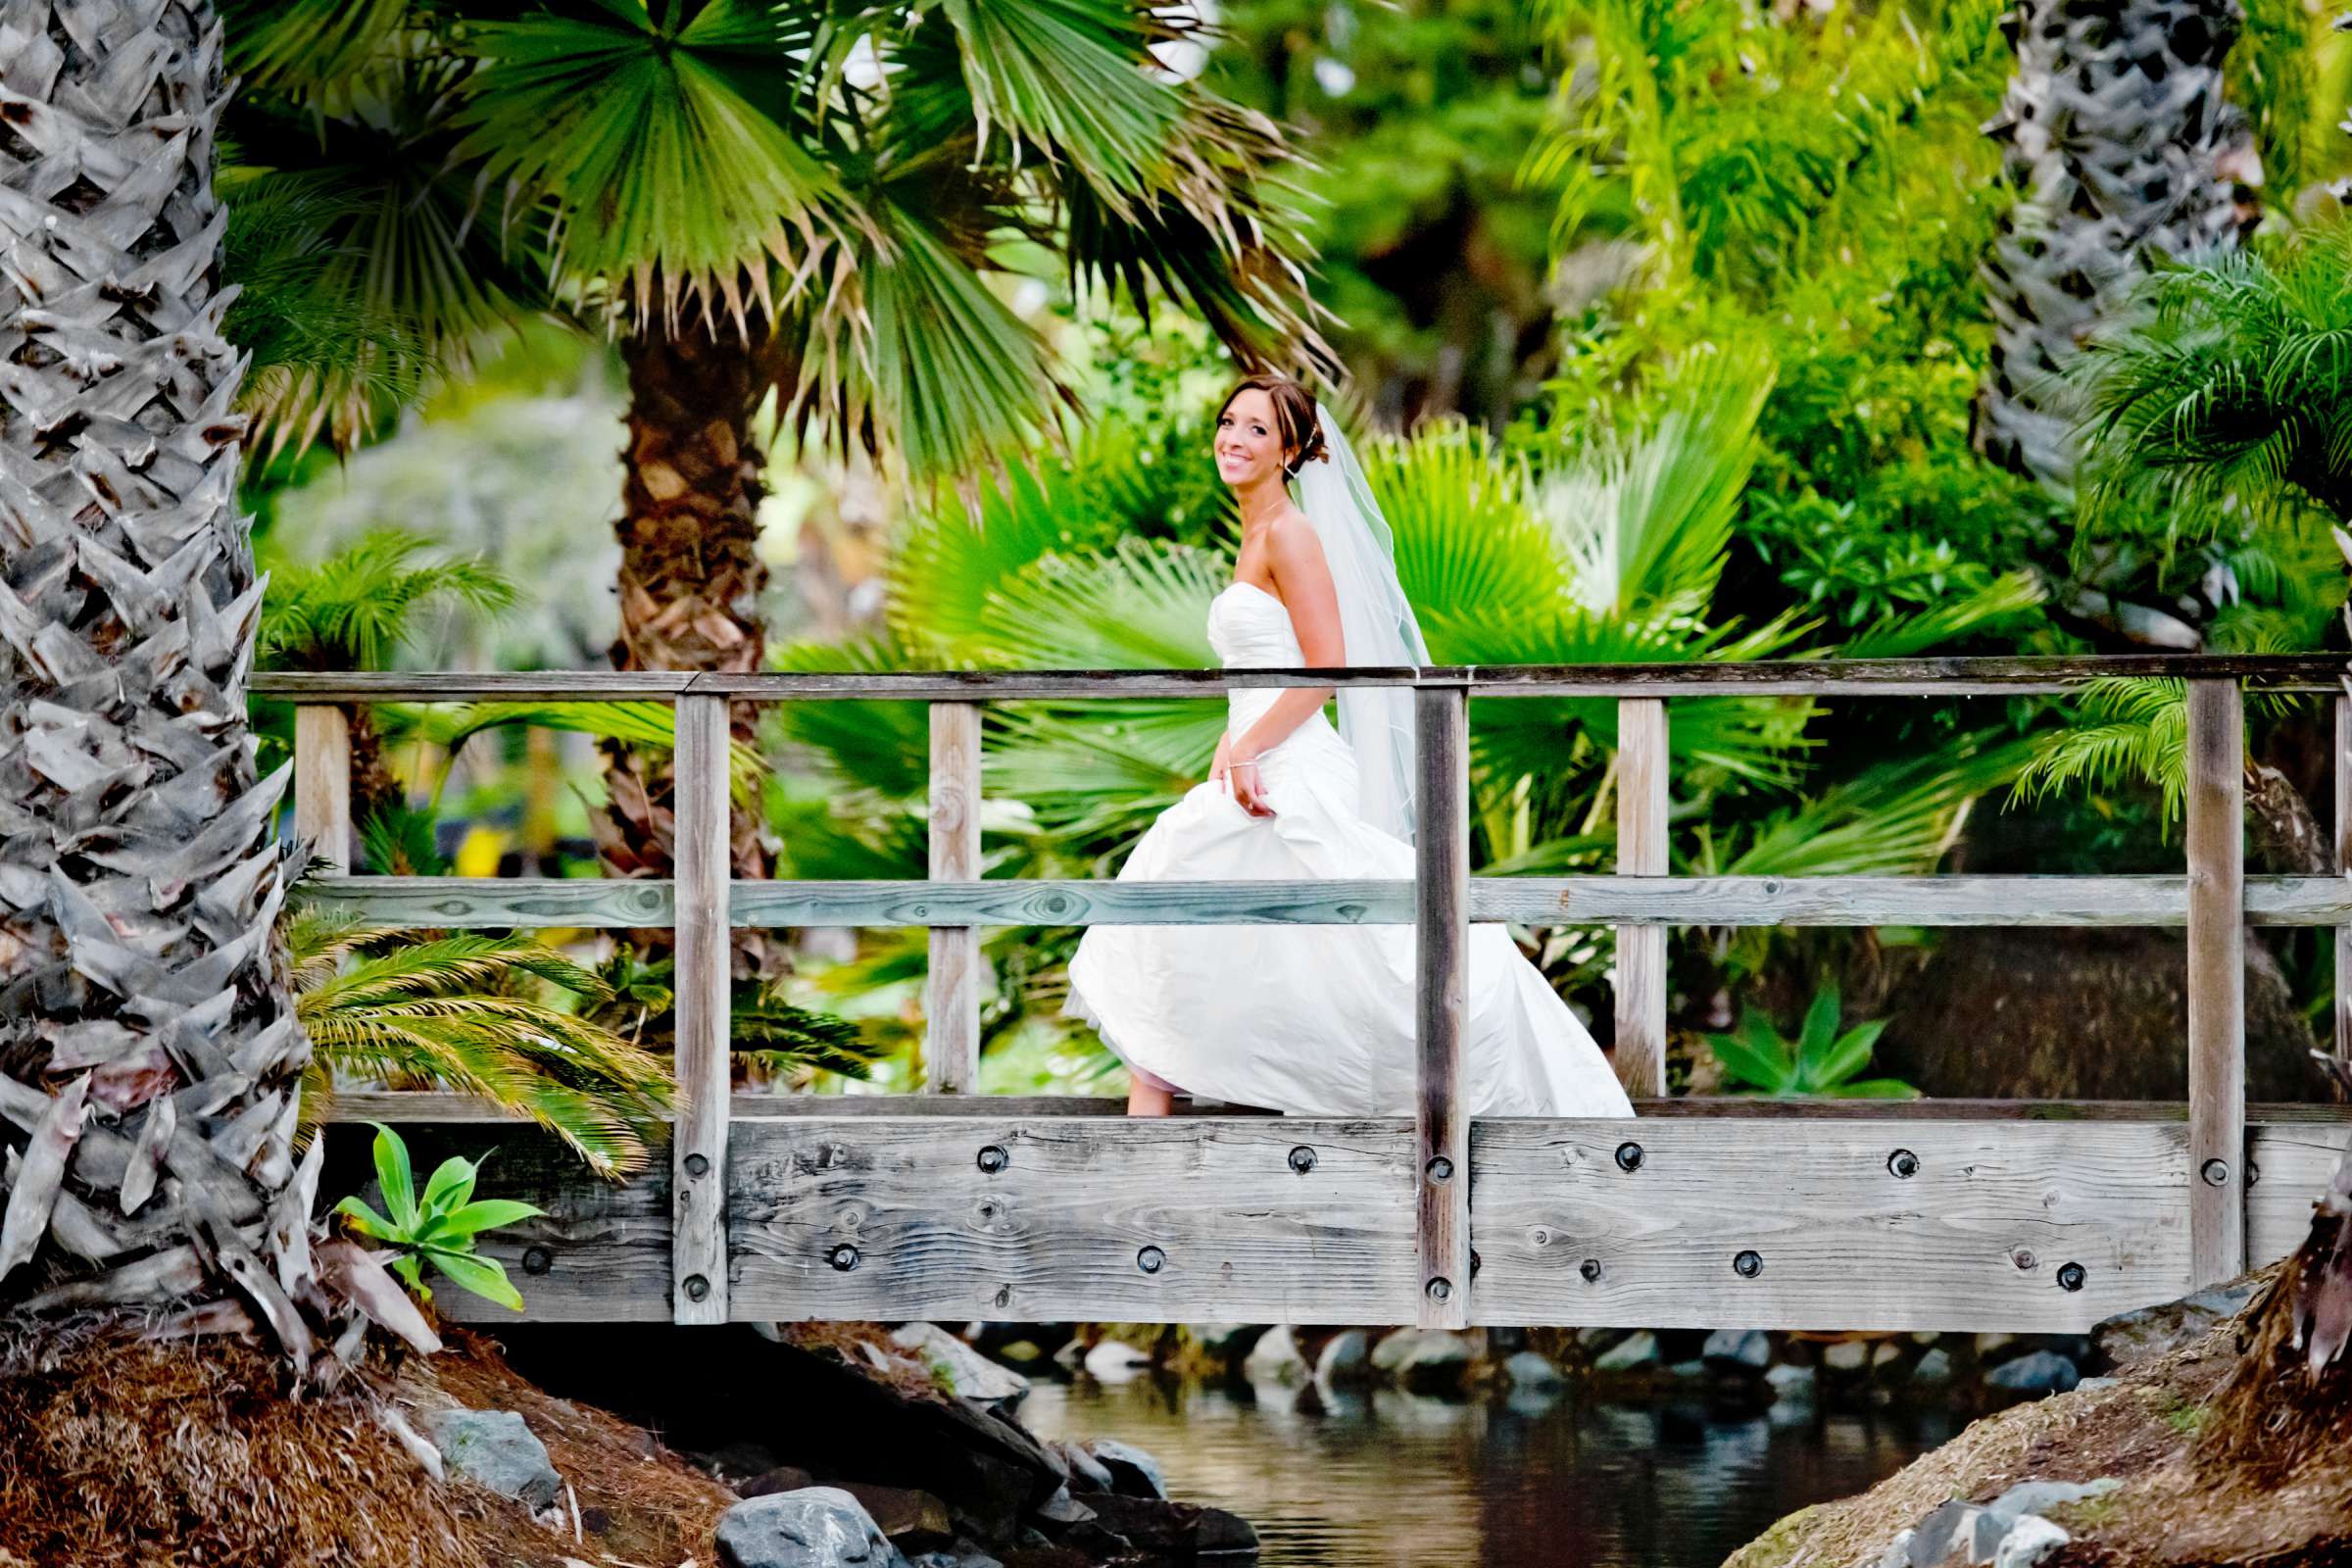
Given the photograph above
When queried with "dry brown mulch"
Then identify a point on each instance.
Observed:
(116, 1451)
(2177, 1508)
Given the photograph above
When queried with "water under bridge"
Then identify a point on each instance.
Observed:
(2018, 1216)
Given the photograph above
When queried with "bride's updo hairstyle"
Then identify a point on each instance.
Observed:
(1294, 419)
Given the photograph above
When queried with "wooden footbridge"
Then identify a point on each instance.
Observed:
(2015, 1215)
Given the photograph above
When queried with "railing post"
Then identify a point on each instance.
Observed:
(1441, 908)
(699, 1146)
(2343, 863)
(2217, 980)
(952, 986)
(1642, 852)
(322, 783)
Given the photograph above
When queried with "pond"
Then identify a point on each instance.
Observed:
(1385, 1478)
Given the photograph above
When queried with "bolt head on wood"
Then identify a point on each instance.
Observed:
(698, 1166)
(698, 1289)
(843, 1257)
(1150, 1259)
(1748, 1264)
(1302, 1159)
(1902, 1164)
(1629, 1156)
(1440, 1169)
(2216, 1173)
(1590, 1268)
(537, 1260)
(993, 1159)
(1441, 1289)
(2070, 1276)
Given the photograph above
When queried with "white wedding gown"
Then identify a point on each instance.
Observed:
(1310, 1019)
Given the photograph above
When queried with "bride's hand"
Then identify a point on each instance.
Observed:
(1248, 788)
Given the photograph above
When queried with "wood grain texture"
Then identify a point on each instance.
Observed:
(952, 983)
(1441, 1127)
(1639, 1055)
(1078, 1218)
(2342, 773)
(450, 903)
(322, 784)
(2289, 1165)
(1950, 677)
(1978, 1237)
(600, 1255)
(701, 854)
(2217, 978)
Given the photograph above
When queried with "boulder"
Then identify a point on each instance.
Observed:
(914, 1521)
(1133, 1472)
(2029, 1540)
(1087, 1473)
(2041, 1496)
(1424, 1361)
(1934, 1368)
(1527, 1370)
(816, 1527)
(781, 1478)
(1112, 1361)
(1276, 1358)
(2129, 1338)
(1944, 1535)
(965, 1557)
(1345, 1358)
(2035, 1372)
(968, 1373)
(1633, 1354)
(1063, 1509)
(1180, 1530)
(497, 1450)
(1846, 1355)
(1738, 1350)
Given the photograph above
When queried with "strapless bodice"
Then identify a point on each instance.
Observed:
(1249, 629)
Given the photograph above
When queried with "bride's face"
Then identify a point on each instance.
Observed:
(1249, 440)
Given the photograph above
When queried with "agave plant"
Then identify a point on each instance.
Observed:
(1820, 1061)
(464, 1012)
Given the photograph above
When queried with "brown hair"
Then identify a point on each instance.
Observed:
(1294, 419)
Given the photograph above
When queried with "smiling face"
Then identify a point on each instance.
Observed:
(1248, 445)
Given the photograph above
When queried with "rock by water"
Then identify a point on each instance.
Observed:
(817, 1527)
(972, 1375)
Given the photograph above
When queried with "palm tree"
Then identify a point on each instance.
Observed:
(150, 1061)
(823, 202)
(2118, 135)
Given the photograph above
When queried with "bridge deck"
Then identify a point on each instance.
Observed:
(1934, 1216)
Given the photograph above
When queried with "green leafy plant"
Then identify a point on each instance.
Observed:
(439, 1226)
(1818, 1061)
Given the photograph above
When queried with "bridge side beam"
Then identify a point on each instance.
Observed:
(2216, 981)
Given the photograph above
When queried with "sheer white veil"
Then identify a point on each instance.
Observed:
(1376, 622)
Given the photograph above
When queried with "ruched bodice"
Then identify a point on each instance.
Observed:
(1249, 628)
(1310, 1018)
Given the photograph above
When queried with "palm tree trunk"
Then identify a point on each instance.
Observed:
(689, 577)
(149, 1063)
(2121, 140)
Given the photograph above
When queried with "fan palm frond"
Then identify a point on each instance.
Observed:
(355, 609)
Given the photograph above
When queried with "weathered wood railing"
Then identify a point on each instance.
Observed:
(1938, 1214)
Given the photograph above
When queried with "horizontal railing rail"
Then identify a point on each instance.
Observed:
(789, 1221)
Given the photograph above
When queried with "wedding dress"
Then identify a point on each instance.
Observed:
(1312, 1020)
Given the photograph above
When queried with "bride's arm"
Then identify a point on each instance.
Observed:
(1314, 605)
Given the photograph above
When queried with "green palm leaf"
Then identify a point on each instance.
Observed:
(1068, 76)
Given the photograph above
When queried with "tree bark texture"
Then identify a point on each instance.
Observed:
(690, 580)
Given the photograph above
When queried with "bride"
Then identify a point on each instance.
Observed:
(1312, 1020)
